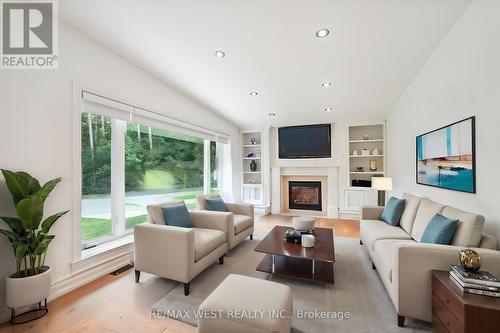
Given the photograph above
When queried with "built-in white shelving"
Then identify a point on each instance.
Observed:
(255, 183)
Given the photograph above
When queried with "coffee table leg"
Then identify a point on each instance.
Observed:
(273, 264)
(313, 266)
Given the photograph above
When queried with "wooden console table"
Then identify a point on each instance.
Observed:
(456, 311)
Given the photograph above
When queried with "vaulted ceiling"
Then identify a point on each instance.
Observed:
(373, 51)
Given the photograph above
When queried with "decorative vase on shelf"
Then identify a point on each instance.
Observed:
(253, 166)
(253, 141)
(355, 153)
(375, 151)
(366, 137)
(373, 165)
(250, 155)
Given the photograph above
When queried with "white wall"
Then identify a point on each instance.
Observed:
(461, 79)
(36, 128)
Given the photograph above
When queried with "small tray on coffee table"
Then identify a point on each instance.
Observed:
(293, 260)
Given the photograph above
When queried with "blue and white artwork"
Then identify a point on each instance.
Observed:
(446, 158)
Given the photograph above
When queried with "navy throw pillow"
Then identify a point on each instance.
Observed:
(177, 216)
(216, 204)
(440, 230)
(393, 211)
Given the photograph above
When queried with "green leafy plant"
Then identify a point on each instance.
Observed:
(29, 233)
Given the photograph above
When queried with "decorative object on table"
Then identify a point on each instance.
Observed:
(478, 282)
(470, 260)
(30, 239)
(355, 153)
(292, 236)
(360, 169)
(307, 240)
(365, 152)
(366, 137)
(303, 223)
(373, 165)
(250, 155)
(446, 157)
(253, 141)
(381, 184)
(375, 151)
(253, 166)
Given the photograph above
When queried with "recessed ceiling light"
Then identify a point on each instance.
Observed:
(326, 84)
(322, 33)
(328, 109)
(220, 54)
(272, 114)
(254, 93)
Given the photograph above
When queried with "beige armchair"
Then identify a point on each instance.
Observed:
(178, 253)
(240, 217)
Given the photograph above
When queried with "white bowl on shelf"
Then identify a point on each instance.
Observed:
(303, 223)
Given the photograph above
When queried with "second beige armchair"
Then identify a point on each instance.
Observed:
(240, 215)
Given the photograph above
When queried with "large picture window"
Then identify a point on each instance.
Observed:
(127, 166)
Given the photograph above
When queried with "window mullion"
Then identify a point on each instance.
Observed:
(118, 176)
(206, 166)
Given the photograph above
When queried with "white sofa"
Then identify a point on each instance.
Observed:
(240, 216)
(404, 264)
(179, 253)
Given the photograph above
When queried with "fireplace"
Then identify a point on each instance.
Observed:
(305, 195)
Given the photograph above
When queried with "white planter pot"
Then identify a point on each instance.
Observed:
(24, 291)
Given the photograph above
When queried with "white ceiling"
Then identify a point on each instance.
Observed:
(374, 50)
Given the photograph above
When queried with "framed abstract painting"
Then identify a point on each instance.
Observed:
(446, 157)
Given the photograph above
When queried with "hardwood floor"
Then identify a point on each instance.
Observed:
(116, 304)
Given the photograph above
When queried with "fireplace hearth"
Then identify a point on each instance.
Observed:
(305, 195)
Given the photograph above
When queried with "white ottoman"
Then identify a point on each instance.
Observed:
(245, 304)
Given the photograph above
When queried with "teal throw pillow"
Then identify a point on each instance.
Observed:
(440, 230)
(393, 211)
(216, 204)
(177, 216)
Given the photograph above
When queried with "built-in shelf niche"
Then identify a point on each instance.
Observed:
(364, 140)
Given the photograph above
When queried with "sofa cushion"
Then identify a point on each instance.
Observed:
(426, 211)
(393, 210)
(200, 200)
(373, 230)
(383, 254)
(177, 216)
(440, 230)
(216, 204)
(241, 222)
(155, 213)
(410, 211)
(469, 229)
(207, 240)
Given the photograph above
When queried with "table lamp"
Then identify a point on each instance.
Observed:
(381, 184)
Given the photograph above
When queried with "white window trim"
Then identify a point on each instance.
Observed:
(113, 245)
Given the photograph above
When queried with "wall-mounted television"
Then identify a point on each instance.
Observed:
(309, 141)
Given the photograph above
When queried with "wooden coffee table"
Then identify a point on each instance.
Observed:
(293, 260)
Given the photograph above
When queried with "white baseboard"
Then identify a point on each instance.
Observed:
(70, 283)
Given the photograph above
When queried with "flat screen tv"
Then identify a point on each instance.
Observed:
(310, 141)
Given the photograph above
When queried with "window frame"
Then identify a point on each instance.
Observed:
(117, 161)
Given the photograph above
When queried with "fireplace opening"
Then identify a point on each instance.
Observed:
(304, 195)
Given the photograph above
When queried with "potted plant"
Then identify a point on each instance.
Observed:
(30, 239)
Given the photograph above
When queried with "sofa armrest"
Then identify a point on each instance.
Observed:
(241, 209)
(164, 250)
(223, 221)
(412, 264)
(371, 212)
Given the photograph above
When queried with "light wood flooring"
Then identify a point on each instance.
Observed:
(115, 304)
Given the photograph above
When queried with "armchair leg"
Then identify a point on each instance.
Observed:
(401, 321)
(360, 242)
(221, 260)
(186, 289)
(137, 276)
(251, 236)
(373, 266)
